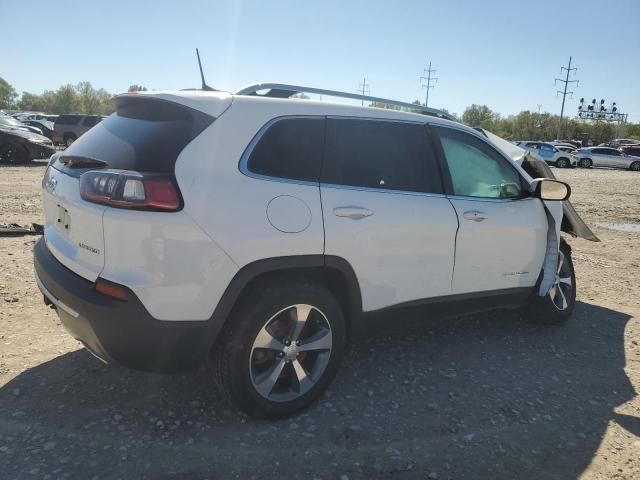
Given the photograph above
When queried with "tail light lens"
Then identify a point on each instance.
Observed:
(131, 190)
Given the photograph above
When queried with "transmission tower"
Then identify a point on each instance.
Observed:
(564, 92)
(427, 75)
(363, 89)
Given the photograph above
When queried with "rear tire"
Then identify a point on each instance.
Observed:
(586, 163)
(282, 348)
(557, 305)
(69, 139)
(635, 167)
(563, 163)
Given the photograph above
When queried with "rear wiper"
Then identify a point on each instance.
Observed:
(73, 161)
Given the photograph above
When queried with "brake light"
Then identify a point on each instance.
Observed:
(130, 190)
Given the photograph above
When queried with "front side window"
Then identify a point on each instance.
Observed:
(380, 154)
(613, 152)
(476, 169)
(290, 148)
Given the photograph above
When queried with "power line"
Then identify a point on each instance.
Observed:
(427, 75)
(564, 92)
(363, 89)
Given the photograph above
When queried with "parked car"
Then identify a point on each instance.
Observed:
(44, 125)
(618, 142)
(565, 148)
(7, 122)
(605, 157)
(264, 232)
(29, 116)
(549, 153)
(69, 127)
(633, 150)
(19, 146)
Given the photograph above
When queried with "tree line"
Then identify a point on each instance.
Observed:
(526, 125)
(80, 98)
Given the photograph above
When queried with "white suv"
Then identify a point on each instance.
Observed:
(262, 232)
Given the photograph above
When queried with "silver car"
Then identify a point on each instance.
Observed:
(605, 157)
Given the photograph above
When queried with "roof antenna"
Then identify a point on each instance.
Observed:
(204, 84)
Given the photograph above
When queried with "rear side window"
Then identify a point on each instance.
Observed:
(90, 121)
(68, 119)
(379, 154)
(290, 148)
(145, 135)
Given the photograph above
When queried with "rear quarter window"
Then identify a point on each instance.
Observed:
(290, 148)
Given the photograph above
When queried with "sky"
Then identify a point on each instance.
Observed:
(505, 54)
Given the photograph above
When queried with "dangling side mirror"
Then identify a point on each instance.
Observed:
(547, 189)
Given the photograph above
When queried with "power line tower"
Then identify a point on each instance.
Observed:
(363, 89)
(427, 74)
(564, 92)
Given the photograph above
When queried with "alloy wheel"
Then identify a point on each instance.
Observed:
(290, 353)
(561, 291)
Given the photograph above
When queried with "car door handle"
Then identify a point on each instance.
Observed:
(475, 215)
(354, 213)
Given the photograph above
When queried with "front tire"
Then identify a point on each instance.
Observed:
(13, 153)
(563, 163)
(586, 163)
(557, 305)
(635, 167)
(283, 347)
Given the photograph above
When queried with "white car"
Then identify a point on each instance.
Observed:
(606, 157)
(549, 152)
(264, 231)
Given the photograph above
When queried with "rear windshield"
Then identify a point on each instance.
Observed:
(145, 135)
(68, 119)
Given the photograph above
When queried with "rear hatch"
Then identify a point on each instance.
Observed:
(145, 135)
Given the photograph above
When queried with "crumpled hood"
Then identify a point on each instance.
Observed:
(535, 167)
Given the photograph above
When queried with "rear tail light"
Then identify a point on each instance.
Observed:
(130, 190)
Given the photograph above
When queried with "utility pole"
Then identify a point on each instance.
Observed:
(564, 92)
(363, 89)
(539, 107)
(427, 74)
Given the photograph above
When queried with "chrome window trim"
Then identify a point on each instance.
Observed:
(382, 190)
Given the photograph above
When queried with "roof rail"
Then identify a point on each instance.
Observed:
(282, 90)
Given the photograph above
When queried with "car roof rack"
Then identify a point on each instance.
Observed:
(282, 90)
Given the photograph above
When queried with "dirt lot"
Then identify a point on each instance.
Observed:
(487, 396)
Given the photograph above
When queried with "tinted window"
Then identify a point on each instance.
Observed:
(90, 121)
(476, 169)
(379, 154)
(611, 151)
(145, 135)
(290, 148)
(68, 119)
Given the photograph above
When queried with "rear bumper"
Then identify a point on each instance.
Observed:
(121, 332)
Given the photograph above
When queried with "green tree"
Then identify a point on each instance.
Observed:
(137, 88)
(479, 116)
(8, 94)
(65, 100)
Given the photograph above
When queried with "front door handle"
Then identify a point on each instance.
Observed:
(475, 215)
(354, 213)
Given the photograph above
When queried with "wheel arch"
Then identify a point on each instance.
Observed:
(335, 273)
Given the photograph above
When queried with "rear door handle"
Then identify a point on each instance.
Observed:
(475, 215)
(354, 213)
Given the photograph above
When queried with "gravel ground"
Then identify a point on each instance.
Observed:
(485, 396)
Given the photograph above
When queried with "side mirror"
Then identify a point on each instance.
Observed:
(547, 189)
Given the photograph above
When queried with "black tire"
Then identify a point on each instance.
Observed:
(237, 361)
(550, 309)
(13, 153)
(69, 138)
(586, 163)
(635, 167)
(563, 163)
